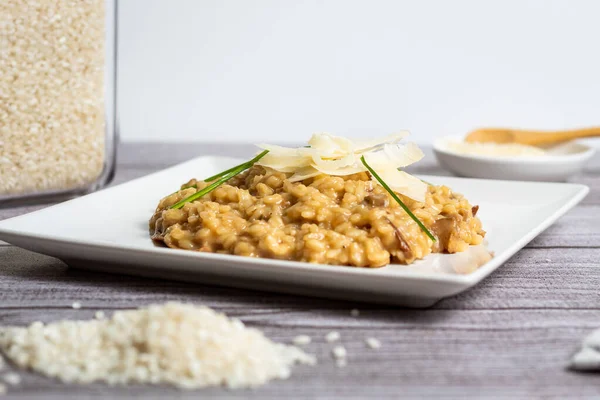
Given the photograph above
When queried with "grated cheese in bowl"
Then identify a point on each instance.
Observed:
(179, 344)
(494, 149)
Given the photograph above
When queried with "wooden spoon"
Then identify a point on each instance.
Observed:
(533, 138)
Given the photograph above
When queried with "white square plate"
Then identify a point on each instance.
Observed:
(108, 231)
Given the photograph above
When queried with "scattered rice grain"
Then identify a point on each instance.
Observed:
(373, 343)
(332, 336)
(339, 352)
(99, 315)
(76, 305)
(11, 378)
(302, 340)
(183, 345)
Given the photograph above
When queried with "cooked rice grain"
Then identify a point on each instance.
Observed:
(344, 220)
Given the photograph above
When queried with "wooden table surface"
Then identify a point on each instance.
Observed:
(511, 336)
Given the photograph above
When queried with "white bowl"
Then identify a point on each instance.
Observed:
(557, 165)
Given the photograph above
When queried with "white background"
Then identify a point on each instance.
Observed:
(279, 70)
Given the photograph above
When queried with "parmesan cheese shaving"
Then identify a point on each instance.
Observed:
(304, 173)
(329, 145)
(339, 156)
(366, 145)
(331, 166)
(285, 159)
(403, 183)
(396, 155)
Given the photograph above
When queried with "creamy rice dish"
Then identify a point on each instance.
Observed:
(305, 205)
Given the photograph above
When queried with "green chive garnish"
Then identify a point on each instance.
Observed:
(220, 174)
(395, 196)
(422, 180)
(221, 179)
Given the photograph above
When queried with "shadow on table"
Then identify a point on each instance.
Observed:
(179, 287)
(53, 284)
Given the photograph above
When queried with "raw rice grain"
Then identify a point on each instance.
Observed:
(179, 344)
(11, 378)
(339, 352)
(332, 336)
(373, 343)
(302, 340)
(51, 94)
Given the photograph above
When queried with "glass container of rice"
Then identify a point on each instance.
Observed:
(57, 97)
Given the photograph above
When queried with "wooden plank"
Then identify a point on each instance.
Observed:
(534, 278)
(538, 278)
(593, 182)
(141, 154)
(578, 228)
(435, 353)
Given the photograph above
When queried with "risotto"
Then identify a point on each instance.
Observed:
(326, 219)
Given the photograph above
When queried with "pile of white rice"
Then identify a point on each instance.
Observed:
(179, 344)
